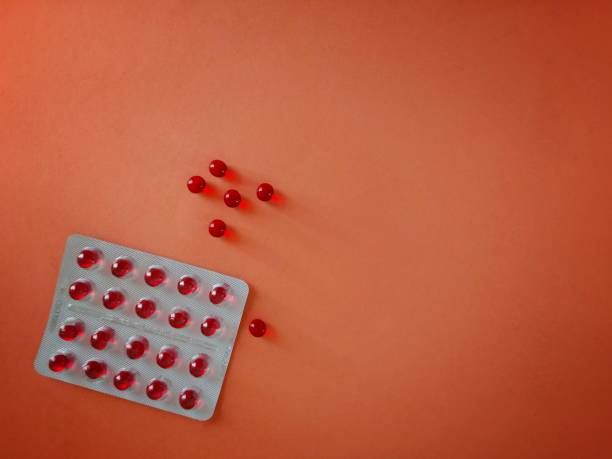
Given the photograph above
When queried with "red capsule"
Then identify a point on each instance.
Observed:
(216, 228)
(79, 289)
(188, 399)
(265, 192)
(71, 329)
(59, 362)
(217, 168)
(88, 258)
(178, 318)
(100, 339)
(232, 198)
(121, 267)
(210, 326)
(187, 285)
(257, 327)
(217, 294)
(166, 357)
(94, 369)
(145, 308)
(112, 299)
(196, 184)
(156, 389)
(136, 347)
(123, 380)
(198, 365)
(154, 276)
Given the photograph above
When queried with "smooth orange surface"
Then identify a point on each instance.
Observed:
(437, 274)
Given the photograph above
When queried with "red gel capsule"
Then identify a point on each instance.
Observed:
(232, 198)
(136, 347)
(121, 267)
(154, 276)
(210, 326)
(178, 318)
(187, 285)
(70, 329)
(216, 228)
(59, 362)
(79, 289)
(123, 380)
(88, 258)
(112, 299)
(100, 339)
(265, 192)
(156, 389)
(166, 357)
(217, 168)
(94, 369)
(257, 327)
(188, 399)
(198, 365)
(145, 308)
(196, 184)
(217, 294)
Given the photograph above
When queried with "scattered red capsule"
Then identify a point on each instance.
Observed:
(123, 380)
(88, 258)
(217, 294)
(232, 198)
(188, 399)
(94, 369)
(210, 326)
(178, 318)
(70, 329)
(257, 327)
(154, 276)
(100, 339)
(79, 289)
(216, 228)
(196, 184)
(166, 357)
(59, 362)
(187, 285)
(156, 389)
(145, 308)
(217, 168)
(265, 192)
(136, 347)
(198, 365)
(112, 299)
(121, 267)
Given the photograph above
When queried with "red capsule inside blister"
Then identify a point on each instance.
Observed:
(156, 389)
(187, 285)
(217, 168)
(70, 329)
(166, 357)
(136, 347)
(188, 399)
(94, 369)
(217, 294)
(178, 318)
(88, 258)
(121, 267)
(257, 327)
(265, 192)
(232, 198)
(100, 339)
(79, 289)
(145, 308)
(209, 326)
(123, 380)
(198, 365)
(60, 362)
(196, 184)
(154, 276)
(112, 299)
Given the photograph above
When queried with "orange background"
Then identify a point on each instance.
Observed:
(437, 273)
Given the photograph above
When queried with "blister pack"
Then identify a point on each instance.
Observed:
(141, 327)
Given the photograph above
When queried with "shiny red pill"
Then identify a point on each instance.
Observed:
(154, 276)
(198, 366)
(136, 347)
(187, 285)
(166, 357)
(112, 299)
(79, 289)
(178, 318)
(210, 326)
(156, 389)
(94, 369)
(88, 258)
(196, 184)
(217, 294)
(217, 168)
(257, 327)
(123, 380)
(59, 362)
(145, 308)
(100, 339)
(121, 267)
(216, 228)
(265, 192)
(232, 198)
(70, 330)
(188, 399)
